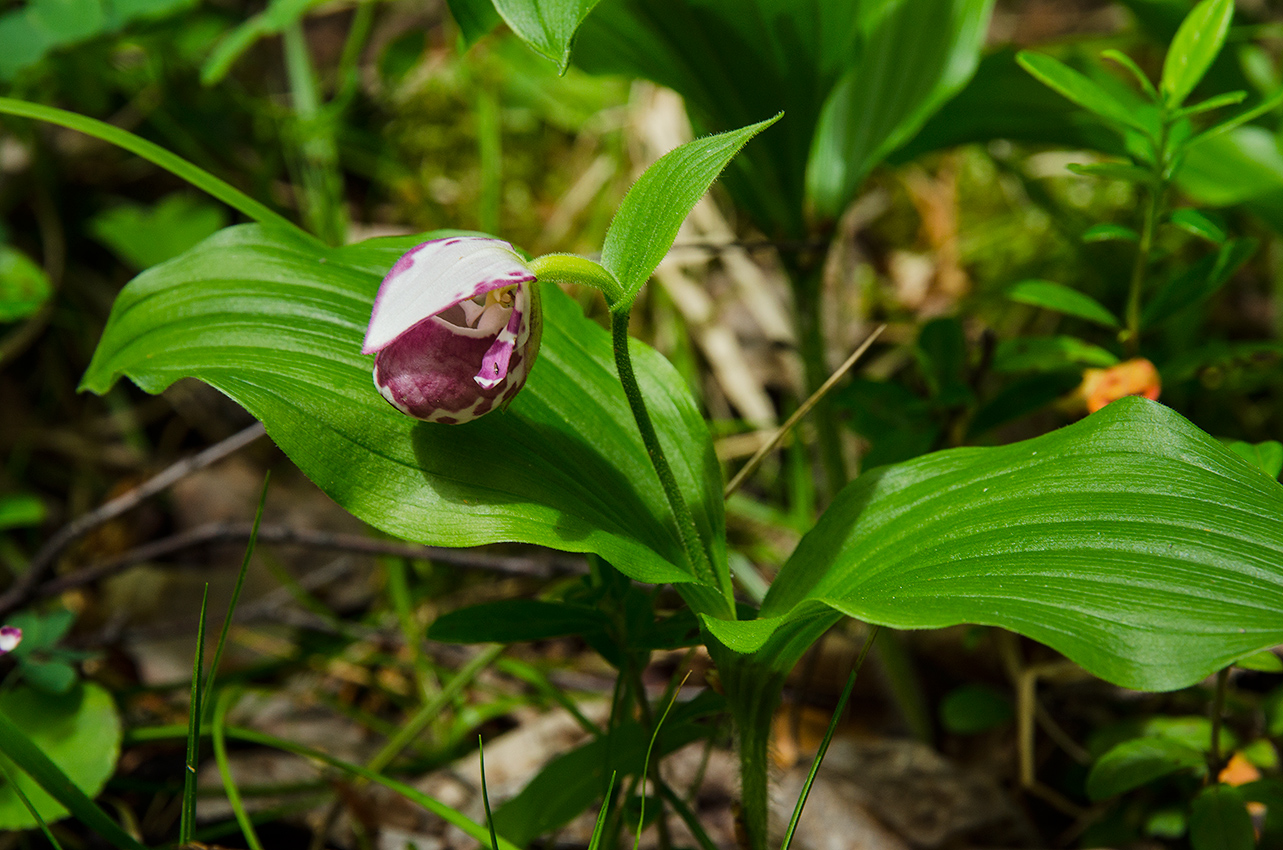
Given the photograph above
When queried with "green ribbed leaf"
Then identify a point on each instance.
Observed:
(1130, 541)
(275, 321)
(917, 55)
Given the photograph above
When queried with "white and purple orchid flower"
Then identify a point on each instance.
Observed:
(455, 328)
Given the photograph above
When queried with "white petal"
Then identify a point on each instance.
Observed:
(435, 275)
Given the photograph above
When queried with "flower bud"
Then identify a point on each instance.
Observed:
(10, 637)
(455, 328)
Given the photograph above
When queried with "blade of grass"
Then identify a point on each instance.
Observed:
(485, 794)
(828, 738)
(236, 592)
(31, 761)
(599, 827)
(399, 591)
(431, 709)
(688, 817)
(154, 153)
(470, 827)
(26, 801)
(218, 733)
(650, 747)
(187, 822)
(535, 678)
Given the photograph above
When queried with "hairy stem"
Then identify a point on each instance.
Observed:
(686, 527)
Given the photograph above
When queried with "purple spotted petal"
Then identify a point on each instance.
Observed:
(494, 366)
(435, 276)
(432, 371)
(10, 637)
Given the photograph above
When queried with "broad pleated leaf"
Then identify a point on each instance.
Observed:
(916, 56)
(275, 321)
(737, 63)
(1130, 541)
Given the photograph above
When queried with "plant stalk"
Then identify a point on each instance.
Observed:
(807, 292)
(1136, 290)
(1218, 709)
(686, 527)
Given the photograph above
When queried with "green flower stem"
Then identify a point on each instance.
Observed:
(580, 270)
(681, 511)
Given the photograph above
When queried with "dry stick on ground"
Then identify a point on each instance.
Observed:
(25, 587)
(228, 532)
(756, 460)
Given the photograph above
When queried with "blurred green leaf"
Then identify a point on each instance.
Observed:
(1130, 541)
(1218, 819)
(1192, 221)
(734, 63)
(1191, 730)
(1264, 661)
(1234, 168)
(514, 620)
(476, 18)
(942, 358)
(970, 709)
(917, 54)
(1003, 101)
(896, 422)
(1220, 101)
(1047, 353)
(1269, 104)
(40, 631)
(1080, 89)
(1109, 232)
(649, 216)
(1138, 762)
(273, 20)
(53, 677)
(1023, 396)
(1198, 282)
(147, 236)
(570, 783)
(1062, 299)
(24, 286)
(29, 32)
(275, 321)
(20, 511)
(546, 25)
(1266, 456)
(1192, 51)
(1112, 171)
(1261, 752)
(1166, 823)
(78, 731)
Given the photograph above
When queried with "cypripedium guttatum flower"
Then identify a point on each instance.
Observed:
(455, 329)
